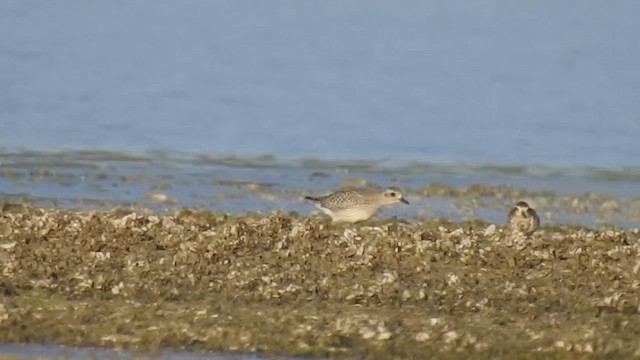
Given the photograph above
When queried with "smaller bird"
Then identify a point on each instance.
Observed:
(353, 205)
(523, 218)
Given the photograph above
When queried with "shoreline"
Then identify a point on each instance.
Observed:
(164, 183)
(292, 285)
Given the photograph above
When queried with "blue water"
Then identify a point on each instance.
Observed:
(502, 82)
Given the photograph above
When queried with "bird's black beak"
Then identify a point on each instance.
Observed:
(404, 201)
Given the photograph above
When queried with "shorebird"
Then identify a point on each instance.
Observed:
(353, 205)
(523, 218)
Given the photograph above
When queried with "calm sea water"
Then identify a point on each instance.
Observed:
(492, 82)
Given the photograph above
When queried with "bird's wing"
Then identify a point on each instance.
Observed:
(532, 213)
(340, 200)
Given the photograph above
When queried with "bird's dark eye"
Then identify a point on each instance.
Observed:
(392, 194)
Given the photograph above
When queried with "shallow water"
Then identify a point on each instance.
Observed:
(167, 181)
(76, 353)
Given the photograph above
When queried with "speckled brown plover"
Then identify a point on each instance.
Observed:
(353, 205)
(523, 218)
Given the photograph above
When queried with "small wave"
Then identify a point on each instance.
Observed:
(95, 158)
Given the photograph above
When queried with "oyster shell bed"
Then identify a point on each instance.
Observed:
(280, 283)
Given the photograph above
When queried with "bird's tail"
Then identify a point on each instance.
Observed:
(311, 198)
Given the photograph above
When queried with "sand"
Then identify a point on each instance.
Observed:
(281, 283)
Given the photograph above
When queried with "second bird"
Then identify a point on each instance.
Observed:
(353, 205)
(523, 218)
